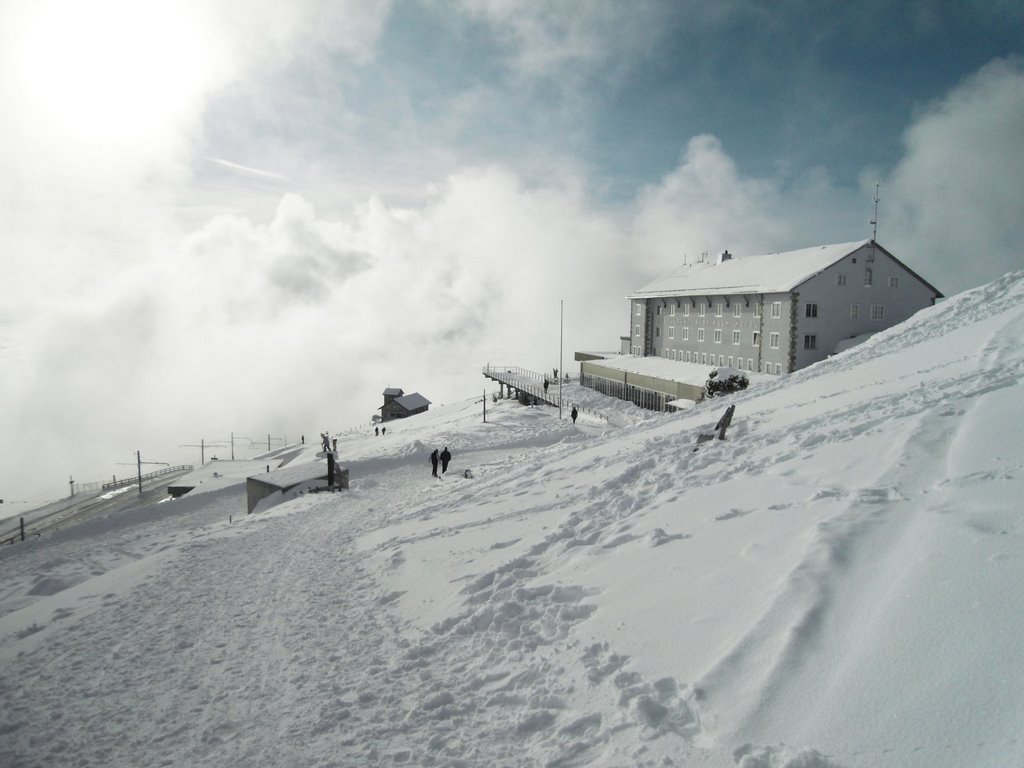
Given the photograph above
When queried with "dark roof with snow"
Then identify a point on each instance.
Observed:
(413, 401)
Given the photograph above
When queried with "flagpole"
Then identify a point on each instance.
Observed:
(561, 371)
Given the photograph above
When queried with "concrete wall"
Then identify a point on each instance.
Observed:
(672, 390)
(257, 488)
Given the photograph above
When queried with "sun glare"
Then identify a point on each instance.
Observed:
(114, 70)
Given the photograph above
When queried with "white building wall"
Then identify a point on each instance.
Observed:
(788, 338)
(843, 287)
(734, 330)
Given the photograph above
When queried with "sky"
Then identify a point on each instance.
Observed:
(833, 585)
(192, 193)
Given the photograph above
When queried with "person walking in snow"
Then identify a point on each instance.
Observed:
(433, 462)
(574, 414)
(376, 431)
(445, 458)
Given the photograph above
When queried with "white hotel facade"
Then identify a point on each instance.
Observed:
(774, 313)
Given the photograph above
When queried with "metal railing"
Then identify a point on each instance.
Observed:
(641, 396)
(148, 476)
(525, 381)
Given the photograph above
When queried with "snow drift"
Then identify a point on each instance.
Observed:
(835, 584)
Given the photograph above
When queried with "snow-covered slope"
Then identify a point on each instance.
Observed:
(836, 584)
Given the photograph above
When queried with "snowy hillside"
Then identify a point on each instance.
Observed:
(836, 584)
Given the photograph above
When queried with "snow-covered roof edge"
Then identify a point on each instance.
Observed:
(764, 273)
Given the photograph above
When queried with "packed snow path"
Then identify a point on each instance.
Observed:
(270, 642)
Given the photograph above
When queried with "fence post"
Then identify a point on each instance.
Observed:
(723, 423)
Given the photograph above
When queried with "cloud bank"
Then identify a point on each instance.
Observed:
(147, 304)
(954, 199)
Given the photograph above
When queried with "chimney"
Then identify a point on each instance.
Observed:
(724, 257)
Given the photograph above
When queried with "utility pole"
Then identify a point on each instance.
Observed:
(874, 221)
(485, 405)
(201, 445)
(138, 463)
(561, 371)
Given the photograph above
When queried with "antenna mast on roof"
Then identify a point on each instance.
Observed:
(874, 221)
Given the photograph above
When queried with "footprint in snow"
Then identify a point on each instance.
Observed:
(657, 537)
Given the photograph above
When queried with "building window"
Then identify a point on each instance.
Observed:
(671, 332)
(703, 358)
(672, 311)
(810, 341)
(686, 310)
(757, 339)
(657, 332)
(636, 330)
(721, 359)
(773, 341)
(737, 310)
(757, 309)
(639, 309)
(729, 361)
(867, 277)
(750, 363)
(854, 311)
(776, 309)
(736, 336)
(811, 310)
(877, 312)
(686, 334)
(687, 356)
(718, 309)
(894, 281)
(718, 335)
(700, 310)
(840, 279)
(700, 334)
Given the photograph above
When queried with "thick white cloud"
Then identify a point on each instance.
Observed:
(125, 329)
(955, 200)
(104, 107)
(243, 315)
(707, 205)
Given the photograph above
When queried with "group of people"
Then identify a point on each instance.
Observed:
(444, 457)
(378, 431)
